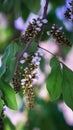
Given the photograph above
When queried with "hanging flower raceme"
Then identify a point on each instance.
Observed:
(33, 29)
(69, 11)
(16, 80)
(58, 35)
(27, 75)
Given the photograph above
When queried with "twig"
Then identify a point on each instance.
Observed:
(25, 49)
(48, 51)
(53, 55)
(45, 9)
(44, 16)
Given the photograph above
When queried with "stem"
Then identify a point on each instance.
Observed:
(52, 55)
(44, 16)
(25, 49)
(48, 51)
(45, 9)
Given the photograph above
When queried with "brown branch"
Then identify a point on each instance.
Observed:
(25, 49)
(45, 9)
(44, 16)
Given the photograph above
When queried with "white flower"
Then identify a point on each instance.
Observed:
(71, 16)
(22, 61)
(45, 21)
(37, 63)
(35, 71)
(60, 28)
(48, 33)
(30, 76)
(38, 22)
(53, 27)
(40, 52)
(36, 77)
(22, 83)
(36, 59)
(23, 80)
(36, 54)
(38, 29)
(57, 31)
(67, 3)
(25, 55)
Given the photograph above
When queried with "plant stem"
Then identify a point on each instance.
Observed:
(45, 9)
(48, 51)
(52, 55)
(25, 49)
(44, 16)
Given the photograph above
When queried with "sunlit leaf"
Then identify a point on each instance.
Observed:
(8, 95)
(9, 62)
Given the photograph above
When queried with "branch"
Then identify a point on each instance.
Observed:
(44, 16)
(25, 49)
(45, 9)
(48, 51)
(52, 55)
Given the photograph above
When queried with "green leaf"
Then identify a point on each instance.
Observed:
(25, 15)
(33, 5)
(10, 70)
(1, 105)
(57, 3)
(8, 124)
(4, 60)
(54, 80)
(8, 95)
(67, 86)
(9, 62)
(17, 8)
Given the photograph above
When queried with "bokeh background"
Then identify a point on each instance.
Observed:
(14, 19)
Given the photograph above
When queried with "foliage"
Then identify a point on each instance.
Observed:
(54, 80)
(67, 86)
(8, 95)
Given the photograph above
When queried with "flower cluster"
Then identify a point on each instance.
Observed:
(33, 29)
(69, 11)
(58, 35)
(30, 74)
(27, 75)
